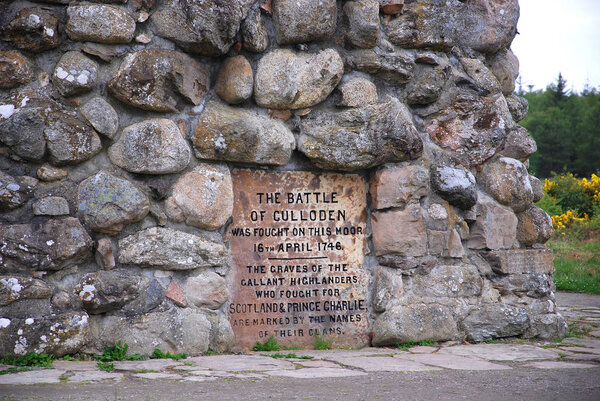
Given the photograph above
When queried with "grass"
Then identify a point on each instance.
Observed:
(145, 371)
(577, 331)
(321, 343)
(577, 260)
(29, 359)
(14, 370)
(158, 354)
(268, 345)
(406, 346)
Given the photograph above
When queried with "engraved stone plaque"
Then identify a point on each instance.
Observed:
(297, 241)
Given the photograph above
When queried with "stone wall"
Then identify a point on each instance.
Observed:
(120, 122)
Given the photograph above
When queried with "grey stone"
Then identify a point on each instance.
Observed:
(360, 138)
(99, 23)
(486, 26)
(75, 74)
(361, 23)
(505, 67)
(515, 261)
(396, 186)
(453, 362)
(414, 322)
(203, 197)
(387, 286)
(22, 125)
(140, 83)
(448, 281)
(51, 206)
(55, 245)
(14, 193)
(43, 376)
(235, 81)
(495, 227)
(316, 373)
(254, 33)
(518, 107)
(58, 334)
(102, 116)
(537, 187)
(234, 134)
(288, 80)
(167, 249)
(534, 227)
(507, 180)
(49, 173)
(105, 257)
(400, 232)
(300, 21)
(500, 352)
(456, 185)
(481, 78)
(222, 336)
(232, 363)
(107, 203)
(15, 288)
(69, 140)
(371, 364)
(394, 68)
(426, 87)
(548, 326)
(205, 27)
(155, 146)
(495, 321)
(356, 92)
(177, 330)
(15, 69)
(519, 144)
(33, 29)
(532, 285)
(104, 291)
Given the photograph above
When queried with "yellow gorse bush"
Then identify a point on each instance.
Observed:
(571, 200)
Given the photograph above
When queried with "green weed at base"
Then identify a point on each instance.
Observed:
(14, 370)
(158, 354)
(29, 359)
(291, 356)
(118, 352)
(106, 366)
(268, 345)
(322, 344)
(424, 343)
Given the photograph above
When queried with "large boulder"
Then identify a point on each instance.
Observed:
(54, 245)
(75, 74)
(495, 321)
(99, 23)
(155, 146)
(507, 180)
(15, 69)
(208, 27)
(387, 286)
(416, 322)
(101, 115)
(396, 186)
(395, 68)
(448, 281)
(472, 128)
(361, 23)
(288, 80)
(14, 192)
(456, 185)
(55, 334)
(238, 135)
(70, 140)
(400, 232)
(300, 21)
(360, 138)
(33, 29)
(206, 290)
(235, 81)
(534, 227)
(203, 197)
(107, 203)
(157, 80)
(495, 226)
(104, 291)
(167, 249)
(16, 288)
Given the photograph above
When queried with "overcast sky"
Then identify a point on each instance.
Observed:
(559, 35)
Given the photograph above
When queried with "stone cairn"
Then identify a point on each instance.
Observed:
(120, 121)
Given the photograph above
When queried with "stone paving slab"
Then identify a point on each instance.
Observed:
(560, 365)
(317, 364)
(501, 352)
(340, 353)
(237, 363)
(33, 377)
(313, 373)
(422, 349)
(150, 364)
(75, 366)
(157, 375)
(87, 376)
(582, 350)
(586, 342)
(449, 361)
(383, 364)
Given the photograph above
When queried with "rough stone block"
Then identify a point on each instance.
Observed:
(395, 186)
(521, 261)
(399, 232)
